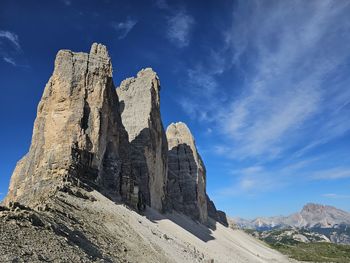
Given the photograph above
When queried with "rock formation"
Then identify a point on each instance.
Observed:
(186, 175)
(85, 135)
(140, 111)
(78, 132)
(90, 154)
(215, 214)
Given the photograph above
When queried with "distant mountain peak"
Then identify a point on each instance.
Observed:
(311, 215)
(314, 206)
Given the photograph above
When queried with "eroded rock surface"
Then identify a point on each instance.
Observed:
(77, 132)
(140, 111)
(186, 175)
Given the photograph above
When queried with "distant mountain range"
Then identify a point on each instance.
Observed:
(327, 223)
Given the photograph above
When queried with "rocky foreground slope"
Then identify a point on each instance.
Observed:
(80, 225)
(103, 182)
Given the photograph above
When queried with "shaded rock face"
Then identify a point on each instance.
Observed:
(186, 174)
(140, 112)
(77, 133)
(215, 214)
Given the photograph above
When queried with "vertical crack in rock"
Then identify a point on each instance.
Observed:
(77, 132)
(140, 111)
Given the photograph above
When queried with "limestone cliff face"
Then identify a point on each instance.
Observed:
(140, 112)
(77, 133)
(187, 174)
(84, 135)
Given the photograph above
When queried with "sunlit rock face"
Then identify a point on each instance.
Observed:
(77, 132)
(186, 175)
(89, 134)
(140, 111)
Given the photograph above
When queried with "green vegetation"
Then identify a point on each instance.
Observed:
(283, 240)
(315, 252)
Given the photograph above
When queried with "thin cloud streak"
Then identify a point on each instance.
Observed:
(8, 52)
(10, 61)
(332, 174)
(11, 37)
(124, 28)
(258, 179)
(336, 196)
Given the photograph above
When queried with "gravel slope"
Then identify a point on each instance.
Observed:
(88, 227)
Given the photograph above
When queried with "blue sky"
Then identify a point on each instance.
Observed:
(263, 85)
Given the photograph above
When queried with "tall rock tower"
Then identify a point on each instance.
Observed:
(77, 132)
(187, 174)
(140, 111)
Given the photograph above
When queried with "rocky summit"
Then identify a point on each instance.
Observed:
(187, 177)
(186, 174)
(78, 132)
(140, 110)
(103, 182)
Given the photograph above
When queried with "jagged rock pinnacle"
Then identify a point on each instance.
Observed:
(187, 174)
(77, 132)
(140, 110)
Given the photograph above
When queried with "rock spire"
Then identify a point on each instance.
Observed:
(187, 174)
(77, 132)
(140, 111)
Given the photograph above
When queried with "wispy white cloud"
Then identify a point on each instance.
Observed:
(294, 92)
(9, 47)
(336, 196)
(284, 91)
(123, 28)
(251, 181)
(332, 174)
(190, 107)
(179, 28)
(202, 82)
(11, 37)
(257, 179)
(221, 149)
(10, 61)
(162, 4)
